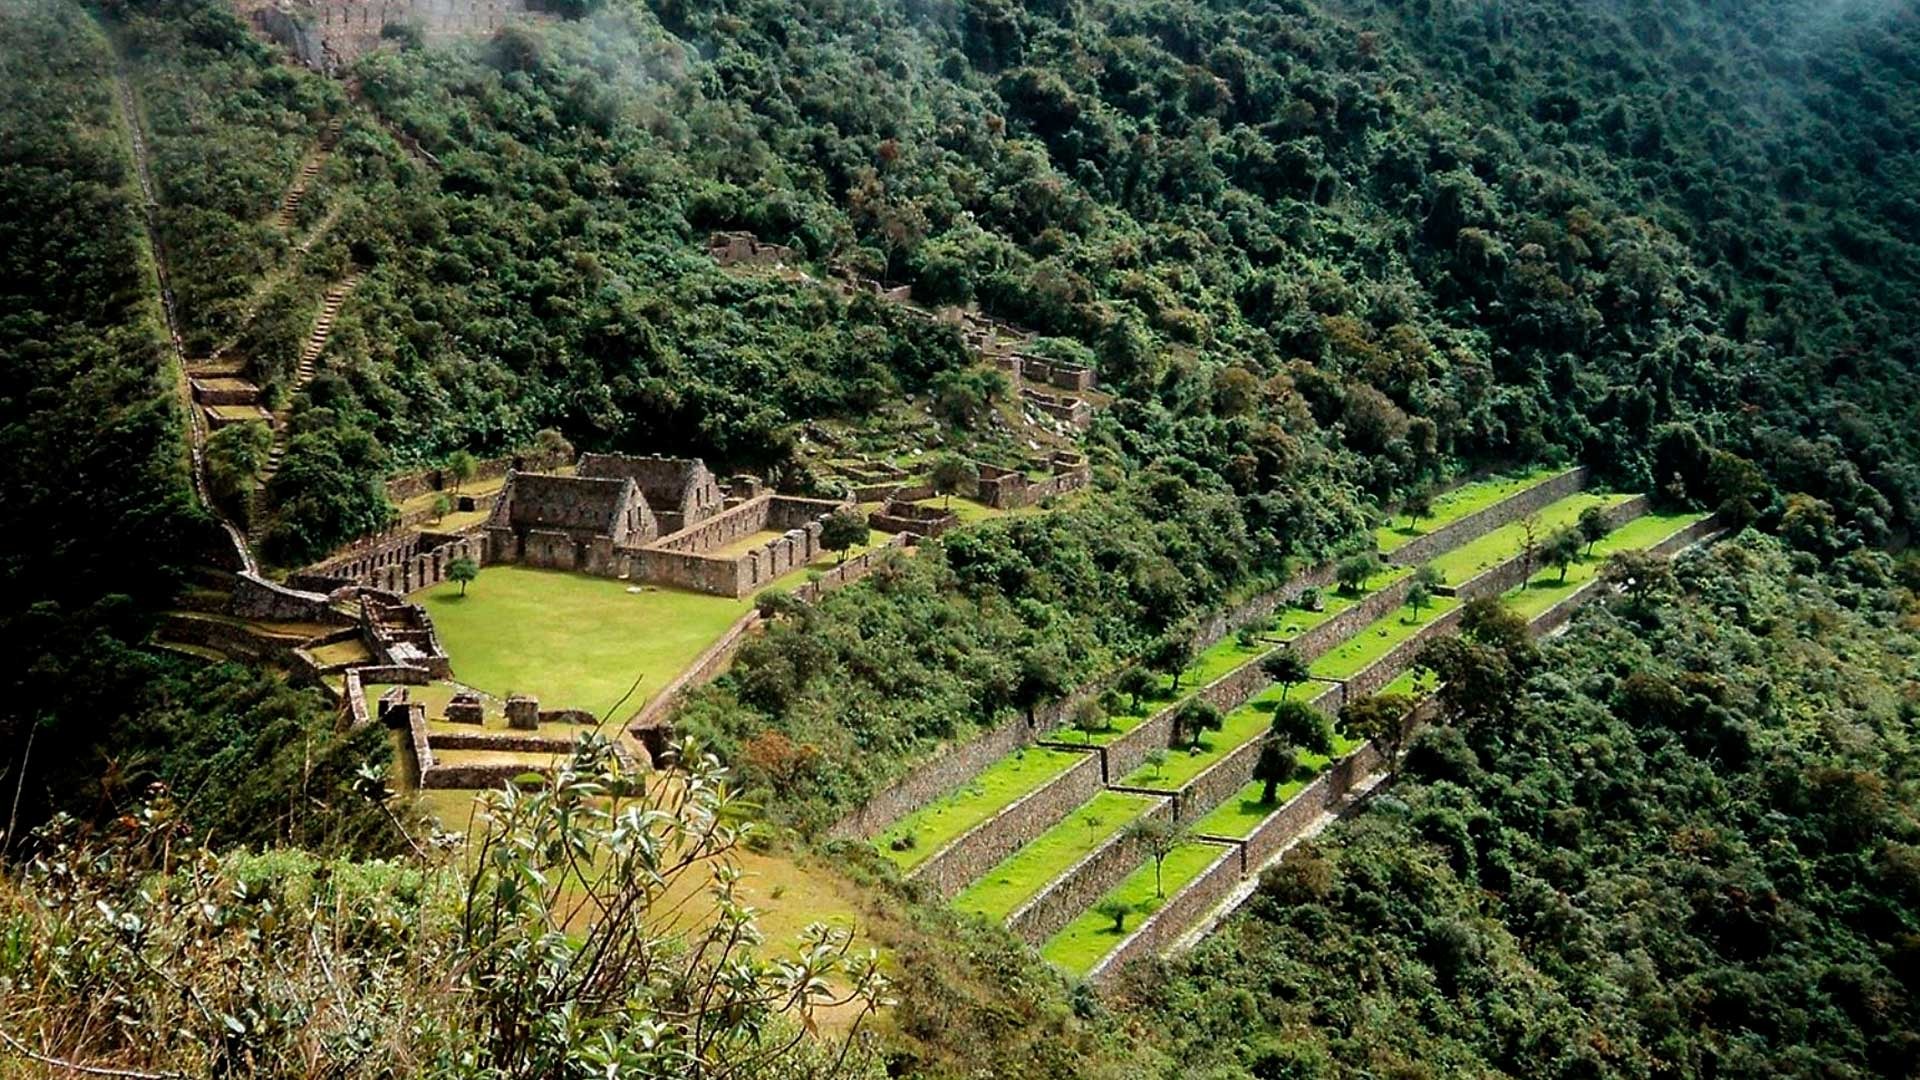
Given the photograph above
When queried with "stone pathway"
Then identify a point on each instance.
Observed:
(303, 373)
(290, 205)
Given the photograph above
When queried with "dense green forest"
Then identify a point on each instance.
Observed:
(1323, 253)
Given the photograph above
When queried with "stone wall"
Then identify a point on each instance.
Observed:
(1085, 882)
(682, 559)
(1512, 508)
(902, 517)
(979, 849)
(415, 484)
(1184, 908)
(681, 491)
(1010, 489)
(425, 567)
(254, 597)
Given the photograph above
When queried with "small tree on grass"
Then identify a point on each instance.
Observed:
(1171, 654)
(1156, 760)
(1561, 549)
(1089, 718)
(461, 466)
(442, 506)
(463, 570)
(953, 475)
(1592, 526)
(1117, 910)
(1136, 683)
(1159, 837)
(1354, 570)
(1418, 505)
(1304, 726)
(1419, 595)
(844, 528)
(1195, 719)
(1043, 677)
(551, 443)
(1530, 544)
(1287, 668)
(1380, 719)
(1275, 767)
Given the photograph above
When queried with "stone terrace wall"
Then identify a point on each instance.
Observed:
(1184, 908)
(1084, 883)
(1235, 688)
(415, 484)
(425, 568)
(1512, 508)
(963, 860)
(1514, 573)
(254, 597)
(952, 766)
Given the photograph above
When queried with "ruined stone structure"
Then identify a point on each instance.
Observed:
(398, 562)
(680, 492)
(895, 516)
(1010, 489)
(324, 34)
(662, 520)
(1072, 411)
(568, 522)
(746, 249)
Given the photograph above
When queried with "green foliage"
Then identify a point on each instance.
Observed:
(1276, 765)
(1300, 724)
(1659, 826)
(844, 528)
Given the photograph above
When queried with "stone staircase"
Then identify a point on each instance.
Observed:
(290, 205)
(303, 372)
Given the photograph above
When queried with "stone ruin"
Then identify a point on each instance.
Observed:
(654, 519)
(745, 249)
(1010, 489)
(897, 516)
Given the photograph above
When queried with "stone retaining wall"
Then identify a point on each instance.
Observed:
(1512, 508)
(254, 597)
(1085, 882)
(1184, 908)
(517, 741)
(1235, 688)
(979, 849)
(353, 702)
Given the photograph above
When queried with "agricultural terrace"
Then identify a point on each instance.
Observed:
(1377, 639)
(913, 838)
(1461, 564)
(1094, 934)
(1469, 498)
(1024, 873)
(1547, 588)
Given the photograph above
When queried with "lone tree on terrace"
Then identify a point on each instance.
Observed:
(1117, 910)
(1418, 505)
(953, 475)
(1159, 837)
(1419, 595)
(1156, 760)
(1196, 718)
(442, 506)
(1382, 720)
(461, 466)
(1304, 726)
(464, 571)
(1275, 767)
(1561, 549)
(1136, 683)
(1171, 654)
(1287, 668)
(844, 528)
(1089, 719)
(1043, 677)
(1593, 526)
(1354, 570)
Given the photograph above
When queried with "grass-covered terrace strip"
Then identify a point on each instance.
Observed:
(1467, 499)
(1079, 946)
(1024, 873)
(1483, 553)
(913, 838)
(1547, 589)
(1377, 639)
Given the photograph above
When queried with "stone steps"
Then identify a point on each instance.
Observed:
(303, 373)
(290, 203)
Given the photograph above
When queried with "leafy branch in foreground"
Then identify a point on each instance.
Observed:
(590, 927)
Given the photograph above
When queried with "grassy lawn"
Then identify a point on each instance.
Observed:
(1546, 589)
(1377, 639)
(1486, 552)
(1027, 871)
(1091, 936)
(1006, 780)
(1458, 503)
(571, 640)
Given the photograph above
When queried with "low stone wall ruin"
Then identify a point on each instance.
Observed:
(682, 559)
